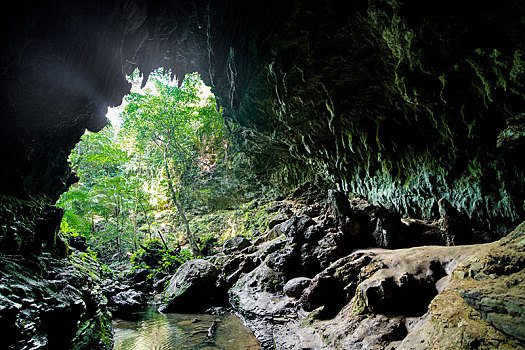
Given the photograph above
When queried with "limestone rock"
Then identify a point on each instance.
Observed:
(296, 226)
(237, 264)
(482, 304)
(236, 243)
(284, 260)
(48, 303)
(295, 287)
(420, 297)
(255, 292)
(126, 302)
(505, 310)
(193, 288)
(403, 102)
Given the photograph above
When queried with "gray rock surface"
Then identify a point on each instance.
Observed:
(194, 287)
(295, 287)
(236, 243)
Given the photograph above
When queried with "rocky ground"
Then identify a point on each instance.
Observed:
(49, 303)
(313, 280)
(327, 274)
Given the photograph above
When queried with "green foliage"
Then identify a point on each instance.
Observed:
(177, 126)
(171, 145)
(213, 228)
(106, 204)
(156, 258)
(255, 219)
(181, 133)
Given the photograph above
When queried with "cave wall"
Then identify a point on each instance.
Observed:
(406, 103)
(399, 102)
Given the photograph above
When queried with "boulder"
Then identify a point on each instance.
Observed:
(126, 302)
(270, 247)
(257, 293)
(194, 287)
(235, 265)
(236, 243)
(330, 248)
(284, 260)
(78, 242)
(296, 226)
(294, 287)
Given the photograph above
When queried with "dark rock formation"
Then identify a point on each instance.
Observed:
(423, 297)
(295, 227)
(126, 302)
(380, 298)
(294, 287)
(501, 309)
(400, 103)
(194, 287)
(236, 243)
(45, 303)
(438, 296)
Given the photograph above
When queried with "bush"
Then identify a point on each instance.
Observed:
(155, 257)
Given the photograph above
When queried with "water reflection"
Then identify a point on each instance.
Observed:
(154, 331)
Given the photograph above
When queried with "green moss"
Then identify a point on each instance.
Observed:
(94, 332)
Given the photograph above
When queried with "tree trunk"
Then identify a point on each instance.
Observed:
(147, 220)
(119, 236)
(134, 220)
(162, 239)
(194, 247)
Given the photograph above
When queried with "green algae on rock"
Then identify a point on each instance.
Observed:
(39, 295)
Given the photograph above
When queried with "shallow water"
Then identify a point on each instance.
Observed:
(154, 331)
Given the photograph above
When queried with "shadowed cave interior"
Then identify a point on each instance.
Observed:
(385, 144)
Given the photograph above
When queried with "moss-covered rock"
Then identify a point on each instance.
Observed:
(194, 287)
(52, 304)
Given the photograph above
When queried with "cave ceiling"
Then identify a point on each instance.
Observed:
(399, 101)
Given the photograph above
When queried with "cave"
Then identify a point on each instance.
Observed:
(416, 108)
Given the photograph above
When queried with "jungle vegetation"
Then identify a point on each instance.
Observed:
(139, 176)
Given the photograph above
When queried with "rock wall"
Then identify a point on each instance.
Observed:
(47, 303)
(406, 104)
(402, 103)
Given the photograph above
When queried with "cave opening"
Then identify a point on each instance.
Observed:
(361, 181)
(162, 159)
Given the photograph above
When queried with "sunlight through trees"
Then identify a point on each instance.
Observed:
(165, 144)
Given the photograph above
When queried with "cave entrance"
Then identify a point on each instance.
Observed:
(162, 155)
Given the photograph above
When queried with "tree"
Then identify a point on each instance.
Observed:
(105, 204)
(177, 131)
